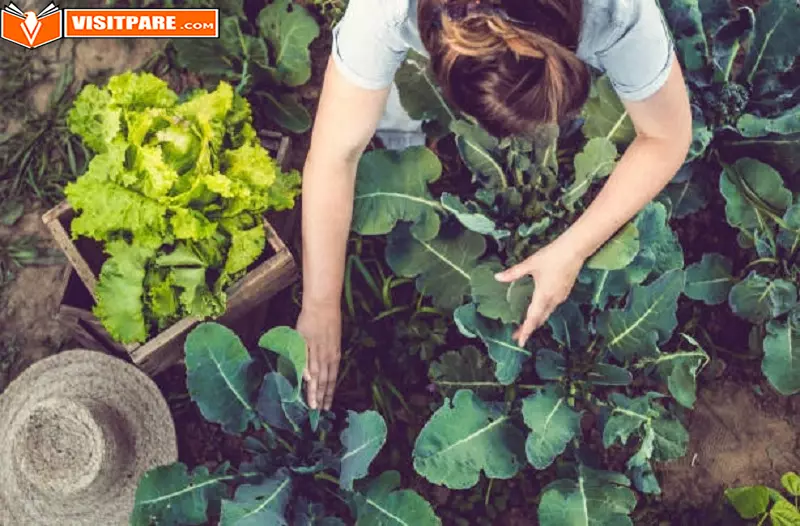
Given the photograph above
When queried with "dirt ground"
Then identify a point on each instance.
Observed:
(29, 330)
(738, 438)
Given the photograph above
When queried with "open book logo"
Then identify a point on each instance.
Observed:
(29, 29)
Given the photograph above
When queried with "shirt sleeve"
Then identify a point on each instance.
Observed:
(367, 47)
(638, 61)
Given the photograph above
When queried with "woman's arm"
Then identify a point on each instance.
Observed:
(663, 124)
(345, 122)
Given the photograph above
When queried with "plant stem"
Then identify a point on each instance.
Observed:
(488, 493)
(763, 518)
(325, 476)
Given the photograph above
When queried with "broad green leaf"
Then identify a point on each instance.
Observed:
(662, 438)
(442, 265)
(478, 148)
(680, 370)
(286, 111)
(647, 319)
(471, 217)
(753, 126)
(686, 22)
(789, 234)
(569, 326)
(171, 496)
(791, 483)
(592, 498)
(753, 191)
(258, 504)
(464, 439)
(384, 504)
(606, 117)
(393, 186)
(710, 280)
(781, 363)
(278, 404)
(550, 365)
(687, 196)
(286, 342)
(757, 299)
(596, 287)
(289, 29)
(506, 302)
(731, 37)
(362, 440)
(419, 92)
(660, 249)
(552, 423)
(784, 514)
(618, 252)
(776, 40)
(597, 160)
(505, 352)
(218, 376)
(644, 479)
(607, 374)
(750, 501)
(463, 369)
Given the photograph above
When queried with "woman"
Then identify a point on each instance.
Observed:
(511, 64)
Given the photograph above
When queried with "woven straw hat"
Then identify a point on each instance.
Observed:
(77, 431)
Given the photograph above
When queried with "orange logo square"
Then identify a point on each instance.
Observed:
(29, 29)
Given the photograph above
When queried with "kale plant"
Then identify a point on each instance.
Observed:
(746, 103)
(263, 59)
(618, 324)
(289, 456)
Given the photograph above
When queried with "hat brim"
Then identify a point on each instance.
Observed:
(89, 376)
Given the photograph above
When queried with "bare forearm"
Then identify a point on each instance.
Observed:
(644, 170)
(327, 212)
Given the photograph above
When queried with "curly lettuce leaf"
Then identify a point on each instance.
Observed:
(108, 210)
(196, 298)
(246, 247)
(94, 118)
(162, 298)
(139, 91)
(120, 291)
(284, 191)
(191, 224)
(156, 177)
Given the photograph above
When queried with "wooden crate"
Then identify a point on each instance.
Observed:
(246, 296)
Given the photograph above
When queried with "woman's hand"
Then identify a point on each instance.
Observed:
(554, 270)
(321, 326)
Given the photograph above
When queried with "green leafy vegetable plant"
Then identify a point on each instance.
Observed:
(746, 106)
(175, 193)
(762, 503)
(289, 452)
(262, 59)
(619, 322)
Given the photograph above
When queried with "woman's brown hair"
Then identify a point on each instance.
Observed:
(511, 64)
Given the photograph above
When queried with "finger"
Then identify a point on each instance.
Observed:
(322, 386)
(313, 380)
(534, 318)
(333, 373)
(512, 274)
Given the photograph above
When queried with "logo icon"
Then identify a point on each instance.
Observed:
(29, 29)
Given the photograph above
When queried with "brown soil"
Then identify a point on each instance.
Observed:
(28, 305)
(737, 438)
